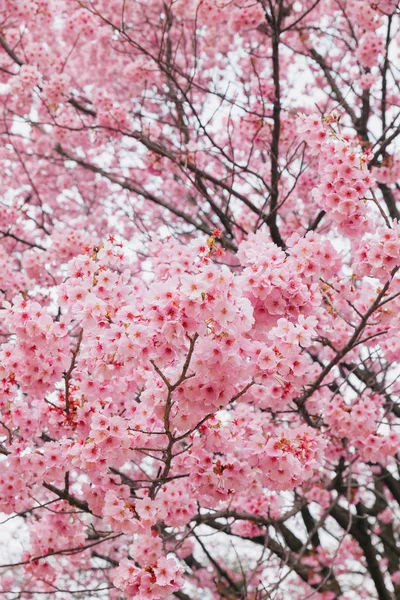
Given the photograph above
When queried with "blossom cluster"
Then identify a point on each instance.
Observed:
(154, 581)
(345, 181)
(378, 254)
(198, 305)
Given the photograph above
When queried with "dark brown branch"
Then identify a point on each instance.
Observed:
(276, 130)
(10, 52)
(350, 344)
(65, 495)
(357, 527)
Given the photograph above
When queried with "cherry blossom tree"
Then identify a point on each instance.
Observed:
(200, 296)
